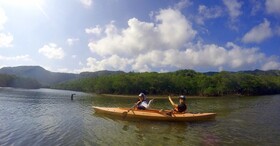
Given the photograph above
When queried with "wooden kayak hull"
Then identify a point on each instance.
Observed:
(153, 114)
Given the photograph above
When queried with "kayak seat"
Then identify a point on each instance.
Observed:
(149, 103)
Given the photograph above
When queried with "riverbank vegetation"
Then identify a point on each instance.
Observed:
(187, 82)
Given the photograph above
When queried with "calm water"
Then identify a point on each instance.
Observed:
(49, 117)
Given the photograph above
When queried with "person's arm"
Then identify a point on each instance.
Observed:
(173, 104)
(140, 99)
(136, 104)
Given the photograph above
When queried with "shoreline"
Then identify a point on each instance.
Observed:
(153, 96)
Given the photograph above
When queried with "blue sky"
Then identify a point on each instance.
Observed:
(140, 35)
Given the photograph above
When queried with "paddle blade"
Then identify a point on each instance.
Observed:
(124, 115)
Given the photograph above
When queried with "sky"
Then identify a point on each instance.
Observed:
(140, 35)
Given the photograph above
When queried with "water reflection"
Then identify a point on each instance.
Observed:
(240, 120)
(163, 133)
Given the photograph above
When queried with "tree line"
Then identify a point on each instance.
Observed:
(187, 82)
(18, 82)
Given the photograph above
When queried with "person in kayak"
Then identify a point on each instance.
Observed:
(178, 108)
(142, 102)
(181, 107)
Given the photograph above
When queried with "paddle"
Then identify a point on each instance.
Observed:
(171, 101)
(125, 112)
(173, 104)
(169, 112)
(165, 113)
(176, 106)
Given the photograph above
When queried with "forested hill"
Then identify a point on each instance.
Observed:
(186, 82)
(18, 82)
(254, 72)
(47, 78)
(44, 77)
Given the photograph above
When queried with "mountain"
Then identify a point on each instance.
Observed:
(99, 73)
(261, 72)
(18, 82)
(252, 72)
(47, 78)
(44, 77)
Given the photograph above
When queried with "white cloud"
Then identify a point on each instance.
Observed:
(240, 57)
(6, 40)
(166, 43)
(174, 29)
(205, 13)
(3, 18)
(94, 30)
(171, 31)
(51, 51)
(111, 63)
(198, 55)
(149, 61)
(271, 63)
(71, 41)
(273, 6)
(182, 4)
(258, 33)
(86, 3)
(211, 55)
(233, 7)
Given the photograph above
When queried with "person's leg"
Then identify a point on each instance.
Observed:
(141, 107)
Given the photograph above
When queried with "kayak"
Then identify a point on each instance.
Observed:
(154, 114)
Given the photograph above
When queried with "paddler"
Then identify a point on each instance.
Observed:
(178, 108)
(142, 103)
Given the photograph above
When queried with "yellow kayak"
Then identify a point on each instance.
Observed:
(153, 114)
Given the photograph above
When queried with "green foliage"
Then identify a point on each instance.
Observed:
(18, 82)
(186, 82)
(5, 80)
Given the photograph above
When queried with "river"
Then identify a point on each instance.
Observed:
(49, 118)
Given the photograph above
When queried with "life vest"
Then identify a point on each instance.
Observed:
(144, 104)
